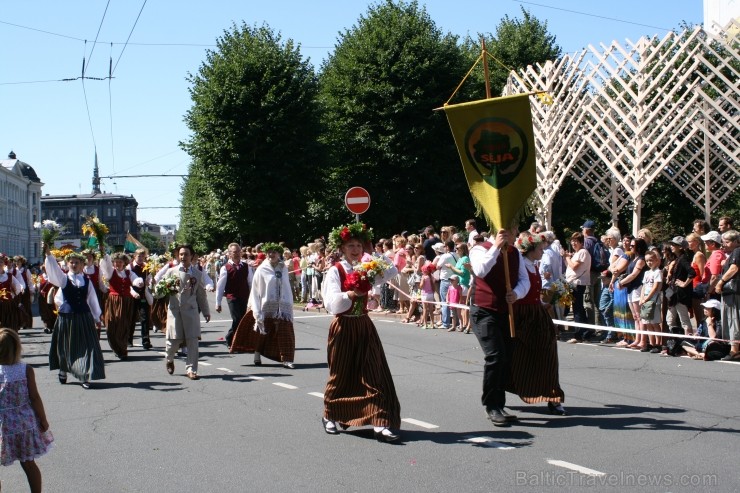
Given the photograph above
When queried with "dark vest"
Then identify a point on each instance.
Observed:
(139, 271)
(75, 299)
(490, 290)
(237, 286)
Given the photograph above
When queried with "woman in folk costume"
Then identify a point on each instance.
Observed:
(47, 310)
(11, 316)
(74, 343)
(92, 271)
(360, 388)
(158, 306)
(534, 364)
(183, 319)
(24, 277)
(120, 307)
(267, 327)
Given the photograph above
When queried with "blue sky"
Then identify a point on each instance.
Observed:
(136, 120)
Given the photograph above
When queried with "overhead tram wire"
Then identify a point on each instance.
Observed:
(84, 90)
(129, 37)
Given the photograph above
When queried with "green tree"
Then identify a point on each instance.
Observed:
(378, 91)
(515, 44)
(151, 242)
(255, 128)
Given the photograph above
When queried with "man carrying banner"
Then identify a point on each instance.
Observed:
(489, 316)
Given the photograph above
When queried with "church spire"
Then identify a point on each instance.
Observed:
(96, 176)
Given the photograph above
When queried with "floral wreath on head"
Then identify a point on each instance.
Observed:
(271, 247)
(528, 241)
(90, 251)
(121, 256)
(73, 255)
(342, 234)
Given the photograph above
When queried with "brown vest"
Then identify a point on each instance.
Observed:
(237, 286)
(490, 290)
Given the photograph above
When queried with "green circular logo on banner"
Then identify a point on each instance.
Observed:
(498, 149)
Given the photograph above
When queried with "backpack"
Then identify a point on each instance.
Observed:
(600, 257)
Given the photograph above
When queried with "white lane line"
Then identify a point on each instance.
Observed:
(575, 467)
(162, 353)
(252, 377)
(314, 316)
(316, 394)
(285, 385)
(423, 424)
(488, 442)
(226, 370)
(729, 362)
(224, 321)
(203, 363)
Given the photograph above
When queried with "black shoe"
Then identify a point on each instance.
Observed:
(556, 409)
(497, 418)
(146, 345)
(646, 349)
(386, 435)
(47, 330)
(655, 350)
(62, 379)
(331, 430)
(509, 417)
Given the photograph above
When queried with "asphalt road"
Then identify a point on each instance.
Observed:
(636, 422)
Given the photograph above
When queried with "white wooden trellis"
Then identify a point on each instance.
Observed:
(622, 116)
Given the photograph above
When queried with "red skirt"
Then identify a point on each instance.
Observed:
(47, 311)
(360, 388)
(11, 316)
(158, 313)
(278, 344)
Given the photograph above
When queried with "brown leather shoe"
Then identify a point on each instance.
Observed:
(193, 376)
(170, 367)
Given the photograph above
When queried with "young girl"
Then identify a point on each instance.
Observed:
(651, 293)
(427, 297)
(24, 431)
(709, 327)
(454, 296)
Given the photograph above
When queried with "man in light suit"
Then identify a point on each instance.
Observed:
(183, 320)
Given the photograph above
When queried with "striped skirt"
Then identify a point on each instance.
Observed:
(120, 322)
(158, 313)
(278, 344)
(534, 364)
(360, 388)
(11, 316)
(75, 347)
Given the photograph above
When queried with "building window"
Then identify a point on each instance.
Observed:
(34, 198)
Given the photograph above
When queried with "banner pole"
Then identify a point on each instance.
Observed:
(505, 248)
(485, 67)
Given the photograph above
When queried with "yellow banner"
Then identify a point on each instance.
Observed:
(495, 141)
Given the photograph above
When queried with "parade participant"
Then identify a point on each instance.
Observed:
(534, 364)
(183, 319)
(74, 343)
(141, 304)
(24, 434)
(120, 313)
(11, 316)
(729, 287)
(267, 327)
(92, 271)
(360, 388)
(24, 277)
(233, 282)
(47, 310)
(489, 316)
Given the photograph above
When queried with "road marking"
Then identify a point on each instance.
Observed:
(252, 377)
(729, 362)
(488, 442)
(226, 370)
(316, 394)
(221, 321)
(416, 422)
(314, 316)
(162, 353)
(285, 385)
(575, 467)
(203, 363)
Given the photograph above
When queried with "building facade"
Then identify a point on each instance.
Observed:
(20, 207)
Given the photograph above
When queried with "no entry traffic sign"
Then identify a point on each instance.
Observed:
(357, 200)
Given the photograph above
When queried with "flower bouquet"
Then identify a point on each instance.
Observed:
(362, 277)
(559, 292)
(59, 254)
(169, 284)
(155, 262)
(50, 230)
(93, 227)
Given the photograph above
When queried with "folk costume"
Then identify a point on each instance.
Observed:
(489, 318)
(534, 364)
(47, 310)
(233, 282)
(11, 316)
(267, 327)
(360, 389)
(74, 343)
(142, 309)
(120, 307)
(92, 271)
(183, 319)
(23, 276)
